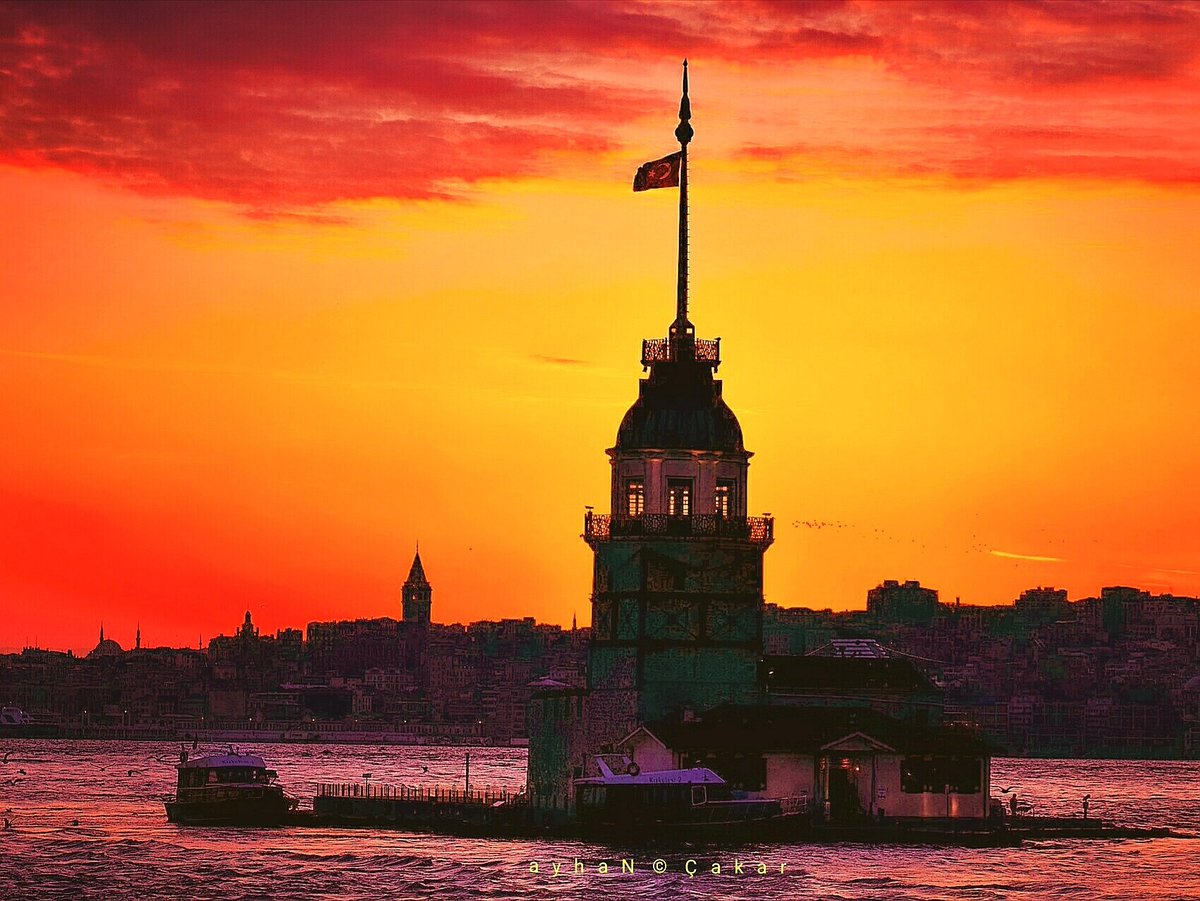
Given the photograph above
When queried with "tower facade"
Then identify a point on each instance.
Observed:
(417, 594)
(677, 601)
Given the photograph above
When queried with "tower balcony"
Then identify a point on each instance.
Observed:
(604, 527)
(681, 349)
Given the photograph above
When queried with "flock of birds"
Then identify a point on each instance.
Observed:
(972, 545)
(12, 781)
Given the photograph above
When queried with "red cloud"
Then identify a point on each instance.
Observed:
(283, 106)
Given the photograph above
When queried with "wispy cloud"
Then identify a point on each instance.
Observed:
(1159, 569)
(1008, 555)
(560, 361)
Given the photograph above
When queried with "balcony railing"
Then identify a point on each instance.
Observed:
(664, 350)
(604, 526)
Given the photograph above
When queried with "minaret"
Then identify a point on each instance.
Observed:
(417, 593)
(137, 642)
(677, 600)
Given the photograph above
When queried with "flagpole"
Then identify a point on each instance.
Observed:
(684, 133)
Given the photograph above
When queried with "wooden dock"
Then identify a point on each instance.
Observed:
(446, 809)
(501, 813)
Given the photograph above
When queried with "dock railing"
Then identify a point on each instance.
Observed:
(485, 796)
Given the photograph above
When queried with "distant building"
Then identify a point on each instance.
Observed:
(417, 594)
(903, 603)
(349, 648)
(1043, 605)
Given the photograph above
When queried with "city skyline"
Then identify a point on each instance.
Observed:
(285, 301)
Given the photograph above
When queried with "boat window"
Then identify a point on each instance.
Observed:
(212, 776)
(699, 795)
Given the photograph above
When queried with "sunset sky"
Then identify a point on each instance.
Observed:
(285, 289)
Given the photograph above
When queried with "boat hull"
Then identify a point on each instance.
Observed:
(269, 809)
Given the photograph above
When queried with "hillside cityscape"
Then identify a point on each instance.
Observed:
(1116, 675)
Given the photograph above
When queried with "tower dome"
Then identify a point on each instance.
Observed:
(679, 407)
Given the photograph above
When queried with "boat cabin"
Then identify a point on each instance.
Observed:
(224, 769)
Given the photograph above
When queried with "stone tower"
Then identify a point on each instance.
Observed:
(677, 601)
(417, 594)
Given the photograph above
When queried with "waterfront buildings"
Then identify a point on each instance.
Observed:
(1116, 675)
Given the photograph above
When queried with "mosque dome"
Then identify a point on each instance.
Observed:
(106, 648)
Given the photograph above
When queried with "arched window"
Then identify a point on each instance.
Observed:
(723, 500)
(679, 497)
(635, 497)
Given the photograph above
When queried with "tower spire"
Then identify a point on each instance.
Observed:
(684, 133)
(416, 594)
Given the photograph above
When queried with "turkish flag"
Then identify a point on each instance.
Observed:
(662, 173)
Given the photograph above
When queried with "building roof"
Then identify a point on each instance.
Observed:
(852, 647)
(545, 682)
(416, 573)
(758, 729)
(845, 674)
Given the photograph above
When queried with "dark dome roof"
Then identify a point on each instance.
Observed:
(106, 648)
(680, 407)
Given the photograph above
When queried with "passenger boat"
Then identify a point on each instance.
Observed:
(686, 803)
(228, 790)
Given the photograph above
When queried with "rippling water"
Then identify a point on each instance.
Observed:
(123, 846)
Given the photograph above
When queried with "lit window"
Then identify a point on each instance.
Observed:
(635, 497)
(679, 497)
(723, 499)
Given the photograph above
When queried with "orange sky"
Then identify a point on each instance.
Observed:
(286, 289)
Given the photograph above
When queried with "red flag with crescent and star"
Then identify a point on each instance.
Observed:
(662, 173)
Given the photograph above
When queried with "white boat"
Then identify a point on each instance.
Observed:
(674, 803)
(15, 716)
